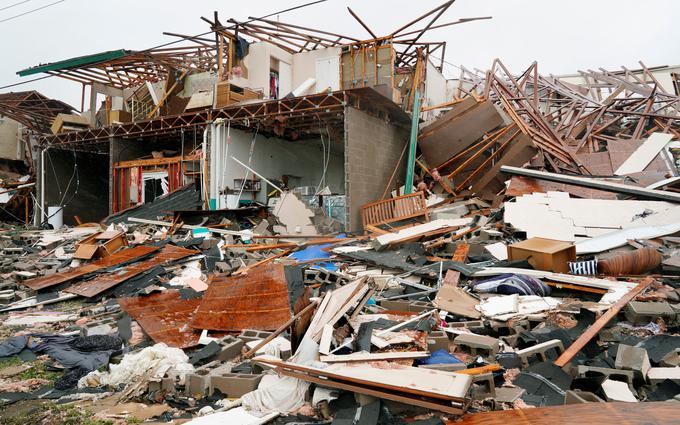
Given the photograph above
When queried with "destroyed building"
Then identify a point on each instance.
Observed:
(269, 223)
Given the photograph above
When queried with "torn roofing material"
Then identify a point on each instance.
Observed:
(164, 316)
(183, 199)
(96, 286)
(258, 300)
(116, 259)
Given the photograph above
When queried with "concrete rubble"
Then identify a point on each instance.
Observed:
(525, 254)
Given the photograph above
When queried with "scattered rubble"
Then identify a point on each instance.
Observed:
(530, 258)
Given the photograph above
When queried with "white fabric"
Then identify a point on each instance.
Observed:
(157, 359)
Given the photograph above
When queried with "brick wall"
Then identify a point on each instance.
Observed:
(372, 149)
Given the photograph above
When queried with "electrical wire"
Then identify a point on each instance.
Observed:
(250, 159)
(31, 11)
(15, 4)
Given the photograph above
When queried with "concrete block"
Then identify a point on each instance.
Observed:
(510, 340)
(197, 383)
(230, 348)
(641, 313)
(470, 324)
(625, 375)
(483, 386)
(478, 344)
(437, 340)
(540, 350)
(671, 359)
(632, 358)
(445, 367)
(508, 394)
(512, 327)
(657, 375)
(234, 385)
(578, 397)
(248, 335)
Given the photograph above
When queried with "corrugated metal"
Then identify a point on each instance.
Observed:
(258, 300)
(164, 316)
(96, 286)
(119, 257)
(74, 62)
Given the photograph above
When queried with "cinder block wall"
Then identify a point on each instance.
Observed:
(372, 149)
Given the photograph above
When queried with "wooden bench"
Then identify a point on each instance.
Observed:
(394, 209)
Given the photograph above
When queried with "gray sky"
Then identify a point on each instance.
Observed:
(563, 36)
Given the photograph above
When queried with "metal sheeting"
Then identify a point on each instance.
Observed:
(120, 257)
(258, 300)
(96, 286)
(164, 317)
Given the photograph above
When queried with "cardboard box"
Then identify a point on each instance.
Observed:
(544, 254)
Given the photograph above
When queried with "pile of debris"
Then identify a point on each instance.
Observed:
(511, 276)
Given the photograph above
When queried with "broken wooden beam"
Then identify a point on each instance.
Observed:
(600, 323)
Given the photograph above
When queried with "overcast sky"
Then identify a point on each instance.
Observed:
(563, 36)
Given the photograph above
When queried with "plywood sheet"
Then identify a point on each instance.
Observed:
(258, 300)
(457, 129)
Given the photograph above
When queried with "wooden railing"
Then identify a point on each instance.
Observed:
(394, 209)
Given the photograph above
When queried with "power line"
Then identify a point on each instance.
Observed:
(15, 4)
(31, 11)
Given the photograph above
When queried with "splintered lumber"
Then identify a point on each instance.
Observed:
(600, 323)
(481, 369)
(371, 357)
(595, 184)
(415, 232)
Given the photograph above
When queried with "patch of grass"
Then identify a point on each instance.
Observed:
(38, 372)
(133, 420)
(11, 362)
(52, 413)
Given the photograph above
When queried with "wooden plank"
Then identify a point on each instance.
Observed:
(640, 159)
(617, 413)
(360, 389)
(600, 323)
(481, 369)
(370, 357)
(430, 383)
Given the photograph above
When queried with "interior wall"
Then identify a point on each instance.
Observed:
(304, 65)
(258, 62)
(78, 189)
(372, 150)
(436, 91)
(273, 158)
(10, 147)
